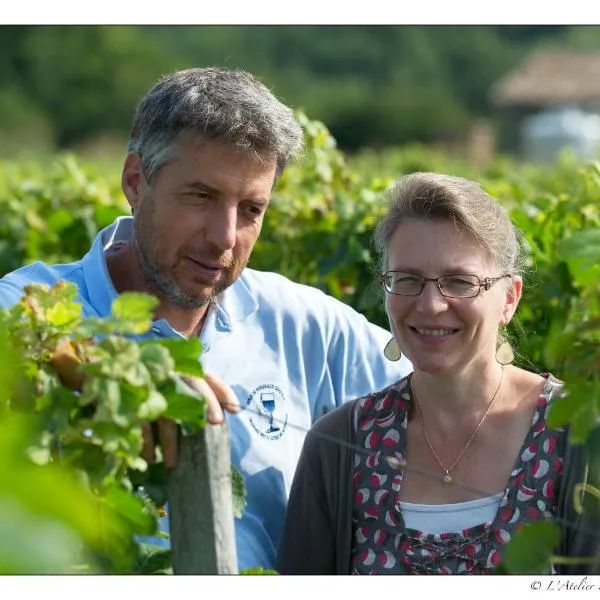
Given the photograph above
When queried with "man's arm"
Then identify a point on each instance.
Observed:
(355, 357)
(10, 293)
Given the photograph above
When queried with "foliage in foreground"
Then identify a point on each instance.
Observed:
(79, 392)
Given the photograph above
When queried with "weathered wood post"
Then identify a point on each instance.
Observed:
(200, 505)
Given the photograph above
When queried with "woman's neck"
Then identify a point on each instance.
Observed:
(450, 400)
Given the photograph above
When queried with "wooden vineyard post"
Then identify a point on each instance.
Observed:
(200, 505)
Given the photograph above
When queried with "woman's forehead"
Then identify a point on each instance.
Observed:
(423, 245)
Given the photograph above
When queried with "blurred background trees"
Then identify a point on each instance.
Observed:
(76, 86)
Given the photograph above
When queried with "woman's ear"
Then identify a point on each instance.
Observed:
(513, 296)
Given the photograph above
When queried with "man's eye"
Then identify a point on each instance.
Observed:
(255, 210)
(196, 197)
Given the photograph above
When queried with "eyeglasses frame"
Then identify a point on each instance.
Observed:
(485, 283)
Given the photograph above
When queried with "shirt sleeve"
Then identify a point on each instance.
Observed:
(356, 362)
(9, 294)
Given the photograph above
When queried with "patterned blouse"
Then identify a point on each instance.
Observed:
(383, 544)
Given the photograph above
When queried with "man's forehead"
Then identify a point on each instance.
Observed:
(197, 142)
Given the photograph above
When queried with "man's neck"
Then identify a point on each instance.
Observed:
(126, 277)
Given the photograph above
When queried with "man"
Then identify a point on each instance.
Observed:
(206, 148)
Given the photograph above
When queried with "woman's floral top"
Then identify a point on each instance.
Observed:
(382, 543)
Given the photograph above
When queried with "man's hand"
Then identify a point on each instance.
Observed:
(219, 396)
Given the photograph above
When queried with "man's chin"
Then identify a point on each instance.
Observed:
(187, 301)
(199, 295)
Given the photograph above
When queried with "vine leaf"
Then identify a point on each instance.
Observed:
(134, 311)
(531, 548)
(579, 408)
(186, 354)
(238, 491)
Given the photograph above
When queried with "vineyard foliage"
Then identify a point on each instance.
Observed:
(89, 384)
(317, 231)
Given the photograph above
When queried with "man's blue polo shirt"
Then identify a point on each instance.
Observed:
(288, 351)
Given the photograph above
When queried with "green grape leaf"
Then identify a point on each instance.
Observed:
(133, 312)
(185, 353)
(238, 491)
(119, 358)
(39, 455)
(108, 394)
(579, 409)
(531, 548)
(137, 463)
(62, 315)
(581, 252)
(130, 508)
(185, 406)
(152, 560)
(258, 571)
(153, 407)
(158, 360)
(136, 374)
(94, 327)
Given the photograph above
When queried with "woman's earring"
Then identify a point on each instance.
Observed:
(505, 354)
(391, 351)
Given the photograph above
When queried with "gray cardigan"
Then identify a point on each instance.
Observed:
(317, 535)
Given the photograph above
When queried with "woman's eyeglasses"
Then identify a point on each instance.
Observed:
(450, 286)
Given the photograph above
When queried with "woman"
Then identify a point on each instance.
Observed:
(436, 473)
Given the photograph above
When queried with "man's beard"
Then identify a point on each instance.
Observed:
(162, 279)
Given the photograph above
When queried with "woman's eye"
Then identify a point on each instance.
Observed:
(461, 282)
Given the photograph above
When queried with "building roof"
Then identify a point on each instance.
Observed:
(549, 77)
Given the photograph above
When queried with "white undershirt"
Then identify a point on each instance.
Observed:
(450, 518)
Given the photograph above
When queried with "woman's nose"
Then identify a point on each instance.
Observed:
(431, 298)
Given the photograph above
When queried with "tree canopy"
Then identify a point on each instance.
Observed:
(372, 85)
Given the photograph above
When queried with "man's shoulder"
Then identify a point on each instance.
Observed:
(13, 284)
(277, 299)
(280, 293)
(260, 279)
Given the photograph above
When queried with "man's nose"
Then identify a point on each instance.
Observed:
(222, 228)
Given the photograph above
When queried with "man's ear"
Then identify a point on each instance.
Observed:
(132, 179)
(513, 295)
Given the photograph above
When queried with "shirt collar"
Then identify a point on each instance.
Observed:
(100, 288)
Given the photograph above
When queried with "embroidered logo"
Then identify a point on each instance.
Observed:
(268, 417)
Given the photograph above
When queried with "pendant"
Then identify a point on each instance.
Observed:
(447, 479)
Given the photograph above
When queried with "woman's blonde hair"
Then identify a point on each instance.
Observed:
(438, 197)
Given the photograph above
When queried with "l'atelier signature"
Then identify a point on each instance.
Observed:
(557, 585)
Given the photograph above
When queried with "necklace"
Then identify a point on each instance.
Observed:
(446, 477)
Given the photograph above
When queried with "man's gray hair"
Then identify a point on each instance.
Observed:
(216, 104)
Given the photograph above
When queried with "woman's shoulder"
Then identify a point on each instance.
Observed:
(346, 414)
(549, 385)
(394, 398)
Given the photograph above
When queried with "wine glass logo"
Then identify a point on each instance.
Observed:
(267, 401)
